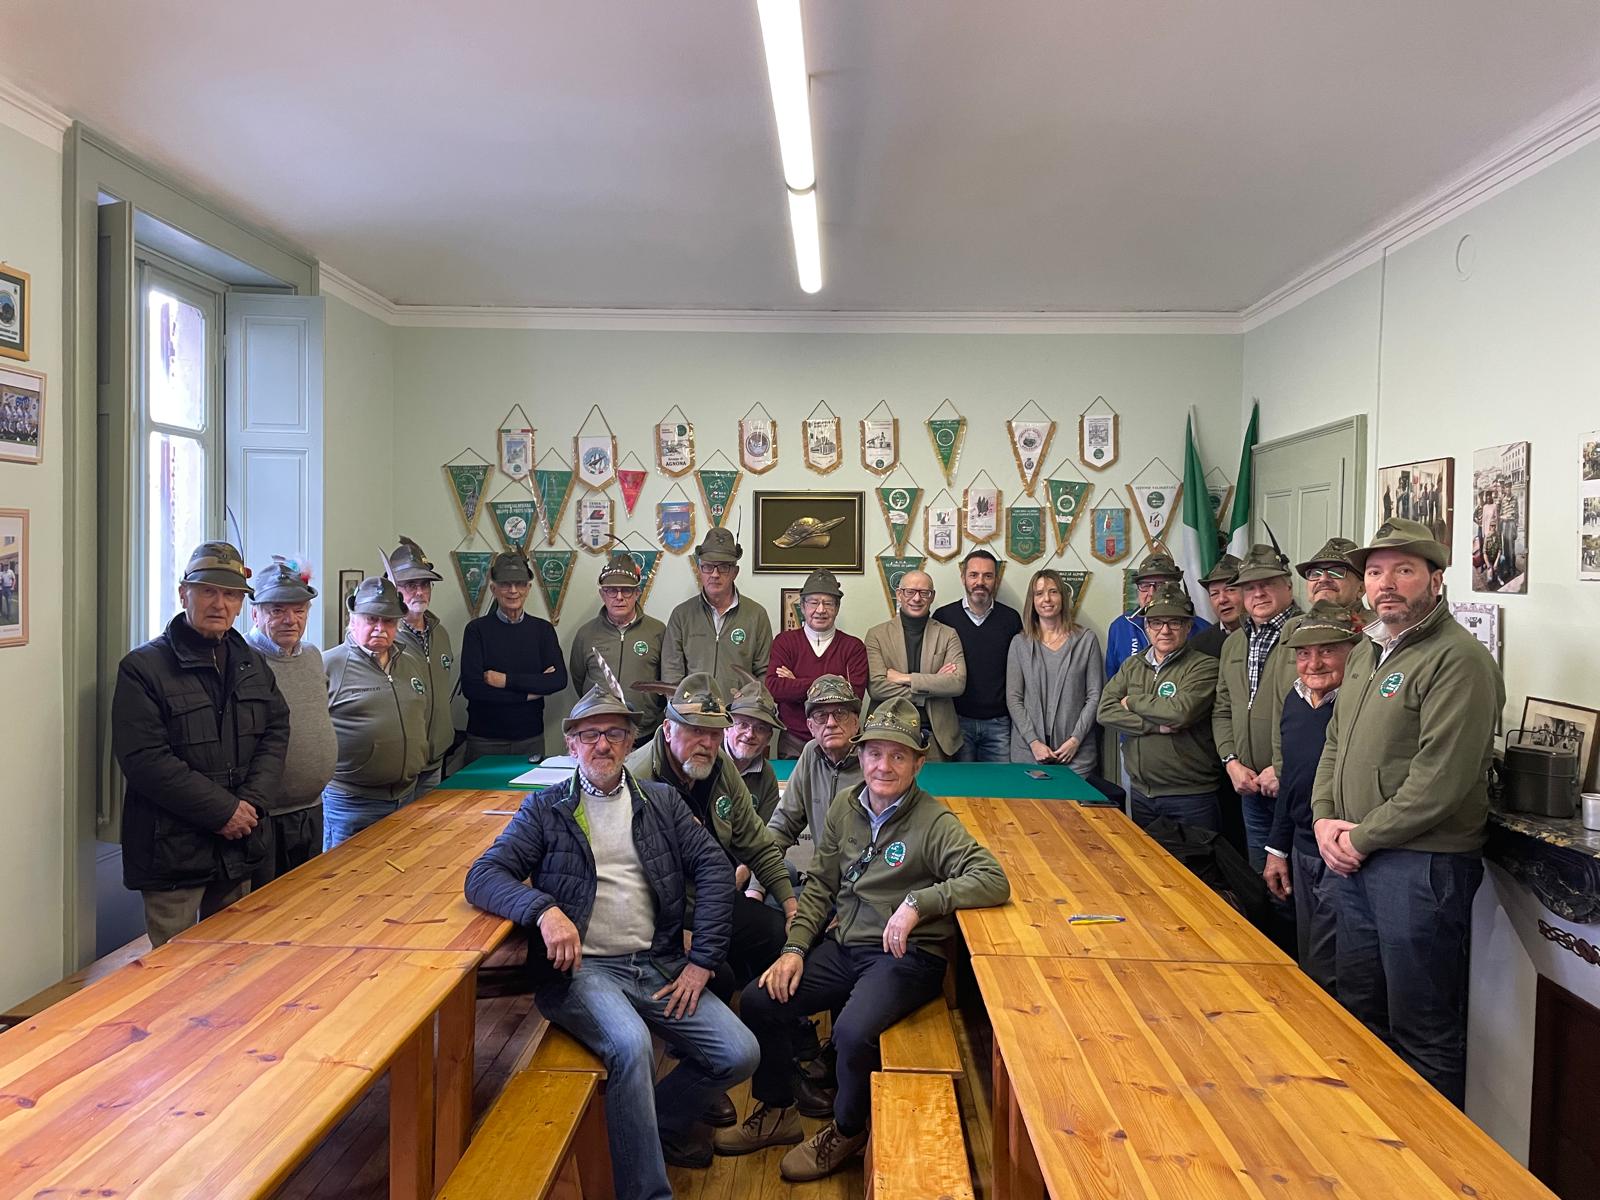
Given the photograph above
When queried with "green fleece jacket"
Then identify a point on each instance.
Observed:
(440, 660)
(1408, 749)
(691, 642)
(1177, 697)
(921, 850)
(634, 656)
(1237, 726)
(734, 822)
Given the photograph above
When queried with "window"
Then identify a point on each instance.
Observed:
(179, 437)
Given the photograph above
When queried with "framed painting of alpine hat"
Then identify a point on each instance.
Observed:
(16, 316)
(797, 532)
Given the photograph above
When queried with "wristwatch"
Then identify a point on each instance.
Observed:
(911, 902)
(1229, 759)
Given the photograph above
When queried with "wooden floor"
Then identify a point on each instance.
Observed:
(353, 1163)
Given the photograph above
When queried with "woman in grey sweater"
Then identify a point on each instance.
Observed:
(1054, 673)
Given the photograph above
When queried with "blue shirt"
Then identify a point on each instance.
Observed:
(1126, 637)
(876, 820)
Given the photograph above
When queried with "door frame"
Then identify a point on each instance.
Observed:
(1356, 425)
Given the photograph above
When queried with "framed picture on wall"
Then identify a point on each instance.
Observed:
(1420, 491)
(789, 606)
(801, 531)
(1500, 519)
(14, 576)
(349, 581)
(21, 415)
(16, 301)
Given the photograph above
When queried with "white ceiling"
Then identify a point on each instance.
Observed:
(1062, 155)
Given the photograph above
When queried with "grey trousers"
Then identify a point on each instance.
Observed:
(169, 913)
(482, 747)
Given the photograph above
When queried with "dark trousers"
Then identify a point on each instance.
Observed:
(1315, 923)
(753, 946)
(869, 989)
(292, 838)
(1199, 810)
(1404, 929)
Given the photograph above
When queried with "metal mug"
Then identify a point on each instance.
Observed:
(1591, 810)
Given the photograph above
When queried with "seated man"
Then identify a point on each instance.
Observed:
(611, 919)
(754, 714)
(897, 863)
(827, 764)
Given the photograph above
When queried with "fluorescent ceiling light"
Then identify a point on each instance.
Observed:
(807, 240)
(785, 42)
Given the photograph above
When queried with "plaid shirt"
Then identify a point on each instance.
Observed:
(1263, 638)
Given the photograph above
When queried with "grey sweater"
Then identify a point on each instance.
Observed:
(313, 750)
(1051, 706)
(624, 916)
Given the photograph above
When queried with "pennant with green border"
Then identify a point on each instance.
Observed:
(947, 434)
(1068, 498)
(472, 572)
(1077, 582)
(466, 487)
(553, 488)
(891, 567)
(1024, 532)
(716, 489)
(648, 560)
(552, 571)
(514, 521)
(899, 506)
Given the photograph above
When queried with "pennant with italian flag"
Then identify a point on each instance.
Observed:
(1237, 522)
(1196, 548)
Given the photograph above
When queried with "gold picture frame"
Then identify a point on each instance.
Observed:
(15, 577)
(839, 547)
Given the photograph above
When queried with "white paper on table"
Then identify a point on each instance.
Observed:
(543, 777)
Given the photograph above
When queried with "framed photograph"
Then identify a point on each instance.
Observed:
(1097, 440)
(1589, 506)
(16, 318)
(1500, 519)
(789, 606)
(13, 576)
(349, 581)
(1421, 491)
(1482, 621)
(801, 531)
(1551, 719)
(21, 415)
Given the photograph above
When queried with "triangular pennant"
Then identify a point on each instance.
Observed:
(716, 489)
(899, 506)
(514, 521)
(553, 488)
(472, 572)
(1076, 582)
(466, 487)
(941, 528)
(1155, 504)
(675, 525)
(648, 560)
(891, 567)
(1030, 440)
(1068, 498)
(947, 434)
(552, 571)
(1109, 533)
(632, 484)
(1024, 532)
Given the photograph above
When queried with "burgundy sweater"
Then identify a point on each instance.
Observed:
(845, 656)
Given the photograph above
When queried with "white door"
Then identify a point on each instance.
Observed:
(1312, 486)
(273, 439)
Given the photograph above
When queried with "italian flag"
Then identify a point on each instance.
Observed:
(1197, 531)
(1238, 520)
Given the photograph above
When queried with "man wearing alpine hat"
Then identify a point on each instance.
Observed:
(717, 629)
(510, 661)
(817, 648)
(378, 698)
(1219, 583)
(598, 869)
(626, 637)
(753, 714)
(199, 729)
(1401, 804)
(1126, 636)
(424, 635)
(896, 864)
(1331, 577)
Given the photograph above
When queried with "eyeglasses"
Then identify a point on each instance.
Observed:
(830, 716)
(1164, 624)
(916, 593)
(717, 568)
(853, 872)
(590, 736)
(818, 603)
(1329, 572)
(618, 593)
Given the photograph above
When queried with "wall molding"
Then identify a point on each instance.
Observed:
(32, 117)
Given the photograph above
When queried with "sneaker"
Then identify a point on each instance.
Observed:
(762, 1128)
(720, 1113)
(690, 1148)
(813, 1099)
(820, 1155)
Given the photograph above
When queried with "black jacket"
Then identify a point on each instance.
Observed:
(544, 846)
(192, 744)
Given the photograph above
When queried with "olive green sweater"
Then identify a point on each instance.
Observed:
(1408, 749)
(1178, 697)
(921, 850)
(1237, 726)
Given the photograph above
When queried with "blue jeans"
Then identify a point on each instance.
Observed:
(607, 1006)
(985, 740)
(1258, 811)
(1199, 810)
(345, 815)
(427, 781)
(1404, 974)
(1315, 921)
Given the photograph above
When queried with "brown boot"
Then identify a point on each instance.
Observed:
(762, 1128)
(820, 1155)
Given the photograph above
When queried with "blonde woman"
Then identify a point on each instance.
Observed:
(1054, 673)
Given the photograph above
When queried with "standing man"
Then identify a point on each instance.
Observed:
(896, 865)
(828, 765)
(510, 661)
(754, 719)
(1322, 643)
(985, 627)
(913, 658)
(200, 730)
(1401, 806)
(1331, 578)
(817, 648)
(429, 640)
(1126, 635)
(292, 829)
(718, 629)
(1253, 678)
(598, 869)
(379, 703)
(1221, 587)
(625, 637)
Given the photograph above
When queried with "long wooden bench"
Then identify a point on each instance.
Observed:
(917, 1151)
(924, 1041)
(35, 1004)
(538, 1140)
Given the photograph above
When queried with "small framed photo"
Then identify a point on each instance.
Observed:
(349, 581)
(16, 318)
(13, 576)
(797, 532)
(1552, 719)
(1421, 491)
(1482, 621)
(789, 605)
(21, 415)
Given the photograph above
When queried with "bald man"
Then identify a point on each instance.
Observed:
(921, 660)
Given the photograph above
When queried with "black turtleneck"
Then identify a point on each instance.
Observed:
(913, 628)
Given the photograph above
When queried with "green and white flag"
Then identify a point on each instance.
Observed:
(648, 561)
(472, 569)
(552, 488)
(1067, 502)
(899, 506)
(514, 521)
(1076, 582)
(1237, 522)
(947, 433)
(552, 571)
(892, 568)
(717, 489)
(1196, 543)
(466, 486)
(1024, 532)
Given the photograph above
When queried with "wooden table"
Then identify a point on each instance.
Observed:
(1165, 1079)
(1064, 859)
(210, 1071)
